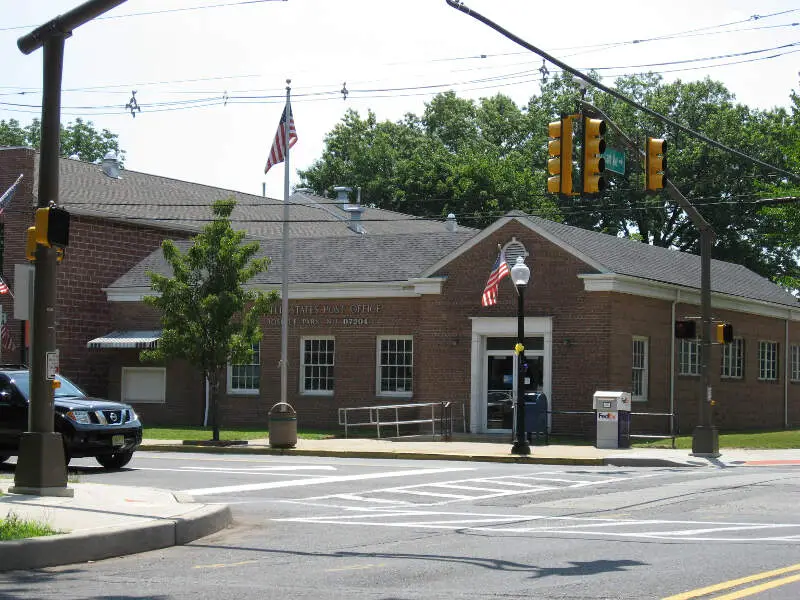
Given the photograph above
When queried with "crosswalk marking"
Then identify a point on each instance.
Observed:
(663, 529)
(483, 488)
(270, 485)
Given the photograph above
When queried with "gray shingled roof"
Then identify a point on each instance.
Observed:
(332, 260)
(628, 257)
(170, 203)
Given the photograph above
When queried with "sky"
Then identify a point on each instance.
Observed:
(209, 76)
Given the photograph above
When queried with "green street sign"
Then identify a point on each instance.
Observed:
(615, 160)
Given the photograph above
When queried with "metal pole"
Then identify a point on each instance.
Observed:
(705, 438)
(285, 259)
(41, 467)
(520, 446)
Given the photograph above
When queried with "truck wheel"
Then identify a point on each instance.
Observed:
(116, 460)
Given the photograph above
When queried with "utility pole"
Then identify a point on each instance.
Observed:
(41, 466)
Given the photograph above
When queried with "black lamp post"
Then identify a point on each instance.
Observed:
(520, 274)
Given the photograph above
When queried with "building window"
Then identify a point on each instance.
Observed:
(244, 378)
(689, 357)
(640, 369)
(732, 359)
(795, 356)
(317, 366)
(768, 361)
(144, 385)
(395, 366)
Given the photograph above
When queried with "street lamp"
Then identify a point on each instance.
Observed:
(520, 274)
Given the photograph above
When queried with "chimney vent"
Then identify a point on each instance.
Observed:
(110, 165)
(451, 224)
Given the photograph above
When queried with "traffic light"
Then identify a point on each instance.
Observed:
(559, 165)
(52, 226)
(593, 162)
(655, 167)
(723, 333)
(686, 330)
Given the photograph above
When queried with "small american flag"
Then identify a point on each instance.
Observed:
(276, 153)
(5, 199)
(499, 271)
(5, 338)
(4, 289)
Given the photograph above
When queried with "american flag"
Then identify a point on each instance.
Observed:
(276, 153)
(3, 287)
(5, 199)
(499, 271)
(5, 338)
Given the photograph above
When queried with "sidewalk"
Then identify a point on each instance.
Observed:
(102, 521)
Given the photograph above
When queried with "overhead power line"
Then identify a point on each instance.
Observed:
(612, 92)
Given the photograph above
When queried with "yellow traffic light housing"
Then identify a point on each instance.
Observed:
(52, 226)
(655, 166)
(723, 333)
(593, 162)
(559, 148)
(30, 243)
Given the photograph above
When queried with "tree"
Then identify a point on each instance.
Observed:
(470, 159)
(482, 159)
(79, 138)
(208, 318)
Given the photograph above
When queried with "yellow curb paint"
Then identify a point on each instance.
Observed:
(726, 585)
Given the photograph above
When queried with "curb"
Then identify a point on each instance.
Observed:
(71, 548)
(532, 459)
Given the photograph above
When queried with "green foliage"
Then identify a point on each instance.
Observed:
(79, 138)
(482, 159)
(756, 440)
(15, 528)
(209, 319)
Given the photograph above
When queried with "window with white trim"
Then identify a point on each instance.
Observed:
(395, 376)
(733, 359)
(689, 357)
(640, 373)
(144, 385)
(795, 358)
(768, 361)
(316, 365)
(245, 378)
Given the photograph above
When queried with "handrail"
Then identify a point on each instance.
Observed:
(376, 416)
(672, 426)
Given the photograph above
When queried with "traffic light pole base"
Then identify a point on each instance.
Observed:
(705, 441)
(41, 467)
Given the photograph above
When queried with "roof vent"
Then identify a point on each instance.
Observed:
(75, 156)
(110, 165)
(451, 224)
(342, 196)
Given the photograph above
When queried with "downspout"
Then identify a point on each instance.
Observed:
(672, 364)
(786, 367)
(205, 413)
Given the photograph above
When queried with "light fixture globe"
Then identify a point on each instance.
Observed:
(520, 273)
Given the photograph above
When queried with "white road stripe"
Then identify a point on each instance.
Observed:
(269, 485)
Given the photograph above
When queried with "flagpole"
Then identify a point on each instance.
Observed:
(285, 256)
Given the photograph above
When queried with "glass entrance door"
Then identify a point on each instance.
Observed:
(501, 386)
(500, 378)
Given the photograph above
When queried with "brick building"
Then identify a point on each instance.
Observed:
(385, 309)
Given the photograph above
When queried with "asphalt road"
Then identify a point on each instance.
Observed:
(394, 529)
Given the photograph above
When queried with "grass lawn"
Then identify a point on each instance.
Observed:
(205, 433)
(760, 440)
(14, 528)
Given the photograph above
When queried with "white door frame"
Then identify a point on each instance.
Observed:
(485, 327)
